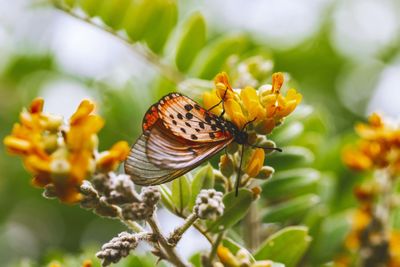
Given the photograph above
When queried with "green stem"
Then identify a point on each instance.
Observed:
(144, 52)
(214, 247)
(178, 232)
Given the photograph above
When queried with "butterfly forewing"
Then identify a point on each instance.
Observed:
(174, 142)
(185, 118)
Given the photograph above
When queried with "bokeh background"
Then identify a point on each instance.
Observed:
(343, 56)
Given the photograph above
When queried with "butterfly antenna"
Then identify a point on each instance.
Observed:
(267, 148)
(239, 173)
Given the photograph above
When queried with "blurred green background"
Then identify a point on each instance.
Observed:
(343, 56)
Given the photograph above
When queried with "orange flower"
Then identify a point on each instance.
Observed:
(394, 248)
(62, 162)
(226, 257)
(378, 147)
(277, 106)
(108, 160)
(256, 162)
(268, 108)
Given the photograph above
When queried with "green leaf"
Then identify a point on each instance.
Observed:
(69, 3)
(181, 193)
(212, 59)
(203, 179)
(291, 156)
(192, 39)
(286, 246)
(114, 11)
(166, 198)
(291, 209)
(289, 183)
(91, 7)
(195, 259)
(330, 238)
(139, 17)
(162, 23)
(287, 132)
(236, 208)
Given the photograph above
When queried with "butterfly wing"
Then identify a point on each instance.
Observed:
(164, 151)
(158, 156)
(187, 119)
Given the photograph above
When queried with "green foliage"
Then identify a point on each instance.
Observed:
(192, 39)
(203, 179)
(235, 209)
(181, 193)
(310, 185)
(286, 246)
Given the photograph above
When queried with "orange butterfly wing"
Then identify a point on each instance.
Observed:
(164, 152)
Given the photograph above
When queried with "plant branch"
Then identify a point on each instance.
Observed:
(169, 250)
(145, 53)
(176, 235)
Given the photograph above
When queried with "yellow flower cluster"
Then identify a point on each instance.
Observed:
(378, 147)
(267, 107)
(62, 155)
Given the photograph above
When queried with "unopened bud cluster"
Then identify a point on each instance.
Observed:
(114, 195)
(209, 204)
(117, 248)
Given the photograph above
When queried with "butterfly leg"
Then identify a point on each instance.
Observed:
(239, 176)
(222, 101)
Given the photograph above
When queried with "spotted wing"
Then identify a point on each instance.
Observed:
(159, 156)
(187, 119)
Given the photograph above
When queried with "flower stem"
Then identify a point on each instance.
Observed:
(169, 250)
(176, 235)
(214, 247)
(144, 52)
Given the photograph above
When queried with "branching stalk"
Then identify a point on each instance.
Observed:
(173, 257)
(145, 53)
(176, 235)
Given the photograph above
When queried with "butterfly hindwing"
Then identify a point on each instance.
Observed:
(158, 156)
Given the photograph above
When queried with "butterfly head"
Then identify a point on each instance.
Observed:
(241, 137)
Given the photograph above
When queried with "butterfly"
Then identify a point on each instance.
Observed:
(178, 135)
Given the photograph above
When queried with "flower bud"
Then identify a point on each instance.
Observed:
(265, 173)
(226, 165)
(209, 204)
(256, 162)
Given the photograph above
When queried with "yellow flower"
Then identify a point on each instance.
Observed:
(378, 146)
(360, 220)
(276, 105)
(394, 248)
(109, 160)
(64, 162)
(256, 162)
(211, 99)
(235, 113)
(252, 104)
(226, 257)
(267, 109)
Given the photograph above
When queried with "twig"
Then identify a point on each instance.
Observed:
(214, 247)
(169, 250)
(170, 73)
(176, 235)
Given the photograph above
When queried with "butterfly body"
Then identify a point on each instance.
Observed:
(178, 135)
